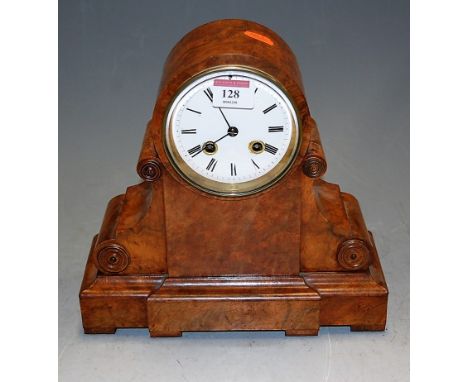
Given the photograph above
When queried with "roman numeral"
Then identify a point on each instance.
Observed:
(271, 149)
(233, 169)
(255, 91)
(195, 150)
(189, 131)
(275, 129)
(269, 108)
(211, 166)
(255, 164)
(209, 94)
(194, 111)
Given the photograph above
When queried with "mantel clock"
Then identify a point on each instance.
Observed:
(233, 227)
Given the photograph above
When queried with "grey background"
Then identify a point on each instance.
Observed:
(354, 57)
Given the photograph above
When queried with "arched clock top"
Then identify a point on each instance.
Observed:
(246, 48)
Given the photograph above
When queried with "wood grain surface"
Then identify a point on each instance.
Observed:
(173, 258)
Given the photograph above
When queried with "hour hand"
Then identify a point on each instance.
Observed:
(232, 132)
(210, 147)
(224, 136)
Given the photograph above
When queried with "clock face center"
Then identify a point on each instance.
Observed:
(225, 104)
(233, 131)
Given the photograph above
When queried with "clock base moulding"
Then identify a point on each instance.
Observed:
(297, 305)
(169, 305)
(293, 257)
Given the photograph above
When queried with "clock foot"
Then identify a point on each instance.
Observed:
(156, 333)
(98, 330)
(368, 328)
(301, 332)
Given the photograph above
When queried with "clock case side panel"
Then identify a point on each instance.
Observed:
(132, 238)
(132, 229)
(331, 226)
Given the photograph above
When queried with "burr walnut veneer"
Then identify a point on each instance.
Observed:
(173, 258)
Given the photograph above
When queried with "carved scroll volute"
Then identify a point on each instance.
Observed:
(149, 166)
(150, 169)
(353, 255)
(111, 257)
(314, 164)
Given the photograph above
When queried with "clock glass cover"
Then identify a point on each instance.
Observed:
(231, 132)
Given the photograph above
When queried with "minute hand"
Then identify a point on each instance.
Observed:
(232, 130)
(229, 125)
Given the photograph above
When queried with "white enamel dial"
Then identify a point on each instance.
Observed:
(231, 150)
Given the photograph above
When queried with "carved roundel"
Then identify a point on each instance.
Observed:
(353, 254)
(150, 170)
(112, 257)
(314, 167)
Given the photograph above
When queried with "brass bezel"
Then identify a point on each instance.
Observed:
(232, 189)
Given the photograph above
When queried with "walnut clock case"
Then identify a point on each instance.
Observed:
(233, 227)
